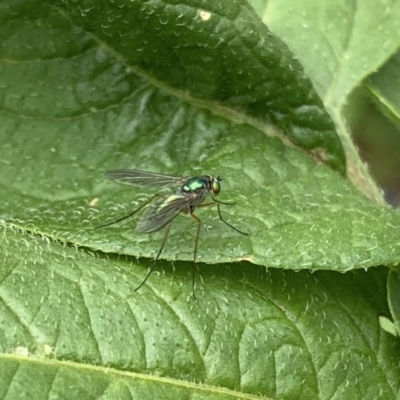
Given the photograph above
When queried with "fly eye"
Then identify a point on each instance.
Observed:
(216, 187)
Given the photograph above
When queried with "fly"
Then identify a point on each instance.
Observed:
(190, 194)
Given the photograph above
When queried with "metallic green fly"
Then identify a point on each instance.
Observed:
(189, 194)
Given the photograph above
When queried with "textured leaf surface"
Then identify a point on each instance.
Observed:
(107, 116)
(215, 51)
(298, 215)
(239, 339)
(73, 107)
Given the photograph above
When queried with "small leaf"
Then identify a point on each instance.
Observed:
(387, 325)
(394, 297)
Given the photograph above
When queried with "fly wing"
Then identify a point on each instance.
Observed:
(162, 213)
(143, 178)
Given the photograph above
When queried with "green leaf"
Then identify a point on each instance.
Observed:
(343, 51)
(387, 325)
(74, 105)
(298, 215)
(64, 380)
(214, 51)
(63, 308)
(333, 42)
(394, 297)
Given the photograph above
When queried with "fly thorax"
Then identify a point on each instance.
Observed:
(195, 184)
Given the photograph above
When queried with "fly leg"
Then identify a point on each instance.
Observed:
(157, 256)
(198, 220)
(196, 244)
(217, 202)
